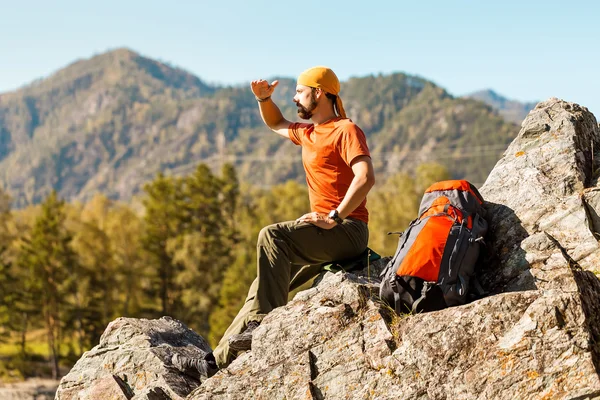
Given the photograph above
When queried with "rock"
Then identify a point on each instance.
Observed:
(155, 393)
(133, 360)
(331, 341)
(32, 388)
(108, 387)
(535, 336)
(336, 341)
(540, 198)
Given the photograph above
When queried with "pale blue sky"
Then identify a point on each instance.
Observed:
(526, 50)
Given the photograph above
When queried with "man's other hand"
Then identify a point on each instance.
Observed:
(318, 219)
(262, 89)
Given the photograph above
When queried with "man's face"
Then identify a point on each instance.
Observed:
(305, 101)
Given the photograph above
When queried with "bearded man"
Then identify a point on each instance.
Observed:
(339, 174)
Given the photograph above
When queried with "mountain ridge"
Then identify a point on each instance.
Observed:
(111, 122)
(513, 110)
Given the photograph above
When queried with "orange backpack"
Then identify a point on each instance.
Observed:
(436, 256)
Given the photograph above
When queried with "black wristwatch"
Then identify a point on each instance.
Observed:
(333, 214)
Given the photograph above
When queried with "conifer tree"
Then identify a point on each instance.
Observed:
(7, 280)
(51, 264)
(204, 247)
(125, 229)
(163, 220)
(95, 297)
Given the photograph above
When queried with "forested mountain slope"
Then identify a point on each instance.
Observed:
(110, 123)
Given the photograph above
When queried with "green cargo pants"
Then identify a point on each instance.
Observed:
(290, 254)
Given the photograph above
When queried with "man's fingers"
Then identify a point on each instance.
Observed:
(302, 218)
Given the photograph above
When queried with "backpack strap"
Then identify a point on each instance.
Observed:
(432, 299)
(456, 247)
(426, 287)
(405, 285)
(477, 289)
(476, 234)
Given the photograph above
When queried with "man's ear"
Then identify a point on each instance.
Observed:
(319, 92)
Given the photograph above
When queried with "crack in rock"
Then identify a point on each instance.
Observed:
(574, 265)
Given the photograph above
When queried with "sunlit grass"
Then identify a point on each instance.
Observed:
(35, 345)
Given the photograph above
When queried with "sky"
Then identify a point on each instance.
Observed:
(524, 50)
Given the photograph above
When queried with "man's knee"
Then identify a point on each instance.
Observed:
(267, 234)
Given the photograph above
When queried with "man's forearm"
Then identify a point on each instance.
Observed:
(357, 192)
(270, 113)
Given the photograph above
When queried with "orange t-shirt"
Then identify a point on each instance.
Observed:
(327, 152)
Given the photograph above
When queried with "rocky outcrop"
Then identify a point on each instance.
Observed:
(133, 361)
(541, 199)
(535, 336)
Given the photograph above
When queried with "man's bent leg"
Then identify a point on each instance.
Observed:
(222, 354)
(282, 252)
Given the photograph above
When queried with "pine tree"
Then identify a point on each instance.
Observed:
(204, 246)
(51, 264)
(95, 297)
(125, 230)
(7, 279)
(163, 220)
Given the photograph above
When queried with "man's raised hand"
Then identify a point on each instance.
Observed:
(262, 89)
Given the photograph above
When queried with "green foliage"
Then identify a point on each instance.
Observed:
(7, 294)
(7, 279)
(163, 221)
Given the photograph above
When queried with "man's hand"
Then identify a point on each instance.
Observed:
(317, 219)
(262, 89)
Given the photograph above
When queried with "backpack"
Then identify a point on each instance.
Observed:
(436, 256)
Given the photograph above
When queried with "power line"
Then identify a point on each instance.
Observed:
(438, 154)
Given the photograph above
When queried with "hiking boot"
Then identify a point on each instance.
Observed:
(243, 341)
(197, 368)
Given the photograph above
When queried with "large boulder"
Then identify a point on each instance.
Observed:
(542, 200)
(133, 360)
(535, 336)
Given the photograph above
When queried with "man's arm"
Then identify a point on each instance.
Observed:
(363, 181)
(269, 111)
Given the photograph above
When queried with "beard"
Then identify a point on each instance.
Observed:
(307, 112)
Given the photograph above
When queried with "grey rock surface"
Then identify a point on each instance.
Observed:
(336, 341)
(540, 197)
(133, 358)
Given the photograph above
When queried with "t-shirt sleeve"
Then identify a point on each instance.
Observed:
(297, 131)
(353, 143)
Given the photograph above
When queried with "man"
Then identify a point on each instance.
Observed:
(339, 174)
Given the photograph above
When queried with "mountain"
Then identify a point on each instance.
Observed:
(512, 110)
(111, 122)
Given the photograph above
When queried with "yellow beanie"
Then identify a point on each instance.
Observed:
(324, 78)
